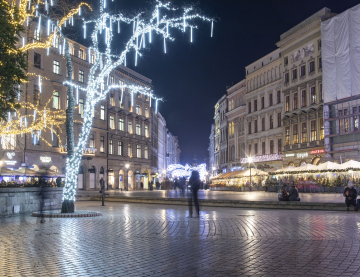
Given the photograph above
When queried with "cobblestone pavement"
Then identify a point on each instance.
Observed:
(225, 195)
(152, 240)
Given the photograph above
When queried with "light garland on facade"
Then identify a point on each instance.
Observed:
(180, 171)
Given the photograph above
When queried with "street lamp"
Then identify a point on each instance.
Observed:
(250, 159)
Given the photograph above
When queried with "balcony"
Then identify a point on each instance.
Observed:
(88, 151)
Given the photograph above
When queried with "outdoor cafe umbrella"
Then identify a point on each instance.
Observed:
(45, 172)
(350, 164)
(24, 171)
(306, 167)
(6, 172)
(328, 166)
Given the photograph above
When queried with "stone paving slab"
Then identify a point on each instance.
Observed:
(57, 213)
(159, 240)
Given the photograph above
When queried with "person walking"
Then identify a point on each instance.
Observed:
(350, 195)
(194, 183)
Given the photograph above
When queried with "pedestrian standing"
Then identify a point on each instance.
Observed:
(194, 183)
(350, 194)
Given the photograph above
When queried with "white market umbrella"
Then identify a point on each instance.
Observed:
(306, 167)
(328, 166)
(350, 164)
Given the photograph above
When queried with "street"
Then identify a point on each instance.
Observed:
(153, 240)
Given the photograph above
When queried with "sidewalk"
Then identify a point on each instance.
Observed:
(257, 200)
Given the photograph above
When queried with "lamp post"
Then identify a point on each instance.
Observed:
(213, 169)
(250, 159)
(127, 174)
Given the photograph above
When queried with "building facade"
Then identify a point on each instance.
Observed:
(211, 150)
(162, 139)
(236, 116)
(264, 101)
(303, 121)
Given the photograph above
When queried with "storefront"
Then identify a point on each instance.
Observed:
(301, 157)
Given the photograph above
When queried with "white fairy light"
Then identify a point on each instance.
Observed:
(23, 41)
(150, 36)
(39, 84)
(84, 31)
(119, 27)
(165, 45)
(48, 27)
(212, 28)
(47, 51)
(79, 11)
(191, 34)
(39, 26)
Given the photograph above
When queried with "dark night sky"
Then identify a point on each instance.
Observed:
(192, 77)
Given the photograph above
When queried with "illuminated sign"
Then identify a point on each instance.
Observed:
(290, 155)
(45, 159)
(10, 162)
(319, 151)
(302, 155)
(10, 155)
(263, 158)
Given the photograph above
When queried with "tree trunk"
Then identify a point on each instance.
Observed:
(70, 183)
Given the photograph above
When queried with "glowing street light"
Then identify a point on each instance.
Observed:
(250, 159)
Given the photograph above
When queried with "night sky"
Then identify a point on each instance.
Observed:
(192, 77)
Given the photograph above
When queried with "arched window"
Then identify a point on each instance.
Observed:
(56, 100)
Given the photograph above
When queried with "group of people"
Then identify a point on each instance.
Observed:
(292, 195)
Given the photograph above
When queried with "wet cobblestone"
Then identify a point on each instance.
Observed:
(151, 240)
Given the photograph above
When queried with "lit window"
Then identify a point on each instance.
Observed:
(92, 141)
(102, 144)
(37, 34)
(102, 112)
(146, 112)
(92, 58)
(146, 131)
(138, 109)
(112, 124)
(56, 42)
(130, 127)
(111, 147)
(121, 124)
(120, 148)
(295, 101)
(311, 66)
(81, 106)
(56, 100)
(9, 142)
(81, 54)
(295, 134)
(138, 129)
(129, 150)
(81, 76)
(146, 153)
(287, 103)
(112, 80)
(303, 132)
(56, 67)
(287, 135)
(313, 130)
(322, 133)
(313, 95)
(138, 151)
(112, 101)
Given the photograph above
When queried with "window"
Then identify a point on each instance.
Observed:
(311, 66)
(112, 123)
(121, 124)
(313, 130)
(81, 54)
(81, 76)
(286, 61)
(130, 127)
(56, 100)
(263, 102)
(356, 120)
(146, 153)
(146, 112)
(249, 107)
(271, 147)
(112, 80)
(129, 150)
(102, 144)
(92, 141)
(36, 95)
(138, 109)
(322, 133)
(263, 148)
(287, 103)
(295, 134)
(320, 62)
(302, 70)
(313, 95)
(263, 124)
(92, 58)
(120, 152)
(346, 121)
(287, 135)
(303, 98)
(9, 142)
(279, 119)
(320, 92)
(56, 42)
(286, 77)
(138, 129)
(111, 147)
(249, 127)
(120, 103)
(36, 139)
(295, 101)
(102, 112)
(256, 149)
(303, 132)
(71, 49)
(278, 96)
(341, 123)
(255, 105)
(37, 60)
(37, 34)
(138, 151)
(270, 99)
(255, 126)
(112, 101)
(294, 74)
(271, 120)
(81, 106)
(146, 131)
(279, 146)
(56, 67)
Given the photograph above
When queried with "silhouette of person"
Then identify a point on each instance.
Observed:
(194, 183)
